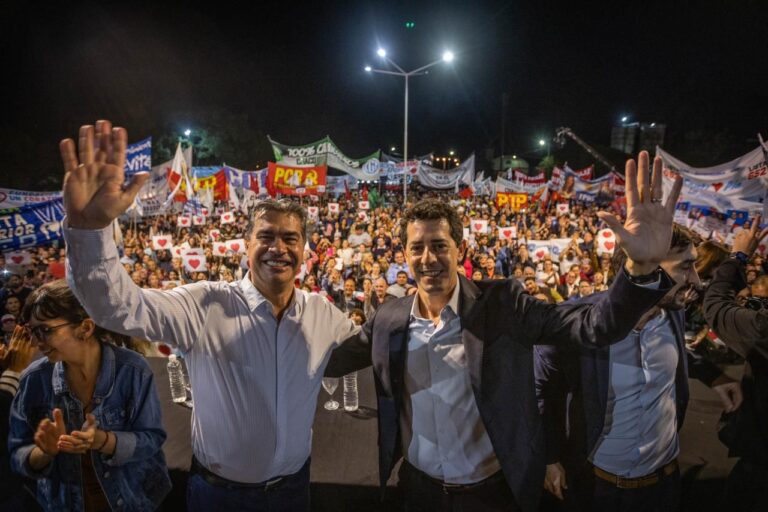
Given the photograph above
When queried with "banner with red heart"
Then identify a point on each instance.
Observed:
(219, 249)
(198, 220)
(18, 258)
(183, 221)
(313, 212)
(563, 208)
(478, 226)
(214, 235)
(160, 242)
(333, 207)
(508, 233)
(194, 263)
(606, 241)
(192, 251)
(538, 249)
(178, 251)
(227, 218)
(364, 205)
(236, 246)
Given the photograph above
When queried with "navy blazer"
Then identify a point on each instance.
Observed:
(575, 380)
(500, 324)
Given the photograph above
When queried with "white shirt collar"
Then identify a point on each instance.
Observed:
(256, 299)
(453, 303)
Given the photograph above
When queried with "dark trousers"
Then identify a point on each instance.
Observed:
(663, 496)
(291, 494)
(420, 493)
(747, 487)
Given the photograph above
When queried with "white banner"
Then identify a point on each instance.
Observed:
(449, 178)
(11, 198)
(739, 184)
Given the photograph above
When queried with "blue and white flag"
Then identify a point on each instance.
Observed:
(138, 157)
(32, 225)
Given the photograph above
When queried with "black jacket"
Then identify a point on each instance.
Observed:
(745, 331)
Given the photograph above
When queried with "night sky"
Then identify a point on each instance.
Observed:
(296, 71)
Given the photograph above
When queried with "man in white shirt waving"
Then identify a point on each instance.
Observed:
(254, 367)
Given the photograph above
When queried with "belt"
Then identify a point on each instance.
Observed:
(449, 488)
(219, 481)
(639, 482)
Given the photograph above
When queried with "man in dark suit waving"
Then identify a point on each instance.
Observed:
(454, 364)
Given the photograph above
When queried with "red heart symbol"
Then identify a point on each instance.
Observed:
(609, 245)
(194, 263)
(717, 186)
(478, 227)
(226, 217)
(184, 221)
(540, 254)
(235, 247)
(607, 234)
(507, 233)
(222, 249)
(17, 259)
(161, 242)
(215, 236)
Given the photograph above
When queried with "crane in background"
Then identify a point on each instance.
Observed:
(563, 132)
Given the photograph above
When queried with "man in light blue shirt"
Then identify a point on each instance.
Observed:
(629, 403)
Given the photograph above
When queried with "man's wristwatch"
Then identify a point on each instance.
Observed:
(645, 278)
(742, 257)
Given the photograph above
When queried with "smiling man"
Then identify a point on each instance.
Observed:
(255, 349)
(454, 362)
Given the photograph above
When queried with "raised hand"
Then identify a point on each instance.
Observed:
(21, 350)
(93, 184)
(747, 240)
(49, 432)
(647, 231)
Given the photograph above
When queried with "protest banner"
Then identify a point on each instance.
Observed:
(31, 225)
(295, 181)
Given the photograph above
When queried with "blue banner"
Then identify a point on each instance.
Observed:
(138, 157)
(30, 226)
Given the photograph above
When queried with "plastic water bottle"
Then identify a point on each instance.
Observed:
(350, 392)
(176, 377)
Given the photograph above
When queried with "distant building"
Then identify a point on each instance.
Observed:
(633, 137)
(504, 162)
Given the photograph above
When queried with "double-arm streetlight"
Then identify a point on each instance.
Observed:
(447, 57)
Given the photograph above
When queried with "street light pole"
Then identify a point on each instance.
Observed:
(405, 147)
(447, 57)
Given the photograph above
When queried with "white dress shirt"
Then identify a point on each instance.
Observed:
(255, 381)
(443, 434)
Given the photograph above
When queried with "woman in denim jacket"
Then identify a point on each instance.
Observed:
(86, 419)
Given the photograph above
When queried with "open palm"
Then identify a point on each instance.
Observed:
(647, 230)
(94, 194)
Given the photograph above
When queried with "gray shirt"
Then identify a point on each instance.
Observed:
(254, 380)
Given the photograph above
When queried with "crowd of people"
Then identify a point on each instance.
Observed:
(482, 420)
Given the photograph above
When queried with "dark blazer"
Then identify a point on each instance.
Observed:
(746, 332)
(575, 380)
(500, 325)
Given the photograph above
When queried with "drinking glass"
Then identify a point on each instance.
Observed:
(330, 384)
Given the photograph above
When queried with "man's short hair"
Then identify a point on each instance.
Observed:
(433, 209)
(402, 273)
(283, 207)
